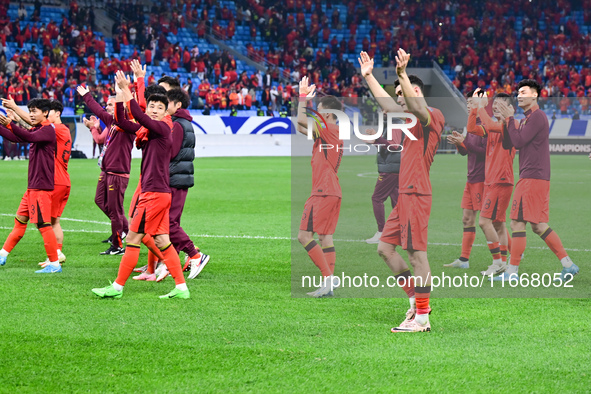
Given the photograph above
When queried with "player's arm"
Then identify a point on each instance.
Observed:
(488, 123)
(530, 130)
(9, 103)
(43, 134)
(307, 92)
(416, 105)
(139, 74)
(472, 127)
(95, 107)
(474, 145)
(122, 122)
(458, 140)
(387, 102)
(5, 130)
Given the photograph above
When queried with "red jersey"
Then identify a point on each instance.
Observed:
(326, 159)
(62, 154)
(417, 156)
(499, 161)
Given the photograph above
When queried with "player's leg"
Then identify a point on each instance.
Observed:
(40, 214)
(488, 213)
(59, 199)
(379, 196)
(179, 238)
(306, 235)
(569, 269)
(114, 204)
(327, 243)
(20, 226)
(503, 239)
(100, 197)
(468, 237)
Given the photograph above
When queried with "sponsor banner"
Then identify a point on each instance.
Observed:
(241, 125)
(570, 146)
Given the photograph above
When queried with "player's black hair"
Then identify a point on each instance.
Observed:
(470, 93)
(414, 80)
(331, 102)
(57, 106)
(506, 97)
(154, 89)
(178, 95)
(532, 84)
(158, 98)
(172, 82)
(43, 105)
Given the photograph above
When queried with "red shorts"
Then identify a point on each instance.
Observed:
(472, 198)
(134, 199)
(59, 198)
(321, 214)
(495, 201)
(408, 223)
(531, 201)
(36, 205)
(151, 215)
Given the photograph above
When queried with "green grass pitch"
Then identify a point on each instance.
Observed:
(242, 331)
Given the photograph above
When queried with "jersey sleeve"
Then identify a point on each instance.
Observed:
(489, 125)
(473, 127)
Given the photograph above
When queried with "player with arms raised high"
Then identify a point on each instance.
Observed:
(531, 199)
(321, 212)
(408, 223)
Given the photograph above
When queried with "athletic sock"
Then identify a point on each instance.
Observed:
(518, 247)
(509, 241)
(566, 262)
(49, 242)
(3, 253)
(504, 253)
(60, 247)
(117, 286)
(553, 241)
(150, 244)
(512, 269)
(406, 282)
(195, 256)
(330, 256)
(182, 287)
(495, 251)
(128, 263)
(422, 298)
(17, 233)
(467, 242)
(151, 262)
(173, 263)
(317, 255)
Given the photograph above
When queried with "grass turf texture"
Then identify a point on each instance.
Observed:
(242, 331)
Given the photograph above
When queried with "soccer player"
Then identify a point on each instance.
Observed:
(151, 215)
(475, 147)
(36, 203)
(61, 191)
(115, 164)
(408, 223)
(321, 211)
(531, 199)
(498, 179)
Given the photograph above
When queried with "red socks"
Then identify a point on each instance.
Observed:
(467, 242)
(518, 247)
(17, 233)
(317, 255)
(553, 241)
(495, 250)
(422, 299)
(173, 263)
(128, 263)
(504, 253)
(149, 242)
(405, 281)
(49, 242)
(330, 256)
